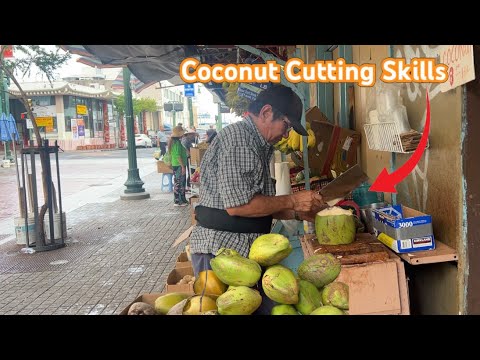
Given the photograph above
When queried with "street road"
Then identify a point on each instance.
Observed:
(84, 176)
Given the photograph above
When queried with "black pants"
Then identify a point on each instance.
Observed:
(163, 148)
(201, 262)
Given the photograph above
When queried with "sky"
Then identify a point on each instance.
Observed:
(72, 67)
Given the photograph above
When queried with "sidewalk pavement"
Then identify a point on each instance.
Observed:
(116, 250)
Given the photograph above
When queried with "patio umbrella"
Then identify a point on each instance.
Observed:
(8, 128)
(3, 128)
(12, 128)
(149, 63)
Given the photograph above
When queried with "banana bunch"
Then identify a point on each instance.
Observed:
(294, 142)
(282, 146)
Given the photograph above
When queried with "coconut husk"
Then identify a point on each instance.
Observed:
(178, 308)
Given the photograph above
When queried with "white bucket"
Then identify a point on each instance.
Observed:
(21, 230)
(56, 226)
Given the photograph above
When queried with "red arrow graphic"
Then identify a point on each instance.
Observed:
(386, 182)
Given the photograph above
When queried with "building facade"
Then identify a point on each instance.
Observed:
(75, 115)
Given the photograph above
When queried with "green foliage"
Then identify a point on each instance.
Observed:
(146, 104)
(119, 104)
(238, 104)
(139, 105)
(29, 58)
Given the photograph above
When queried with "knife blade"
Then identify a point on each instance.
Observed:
(341, 186)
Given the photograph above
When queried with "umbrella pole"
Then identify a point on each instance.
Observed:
(21, 189)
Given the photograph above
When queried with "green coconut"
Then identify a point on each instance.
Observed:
(234, 269)
(284, 310)
(319, 269)
(327, 310)
(335, 226)
(239, 300)
(309, 297)
(270, 249)
(336, 294)
(280, 285)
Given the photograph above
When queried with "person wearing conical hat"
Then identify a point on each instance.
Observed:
(179, 162)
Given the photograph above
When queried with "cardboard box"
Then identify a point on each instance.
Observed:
(196, 155)
(162, 168)
(193, 202)
(375, 288)
(336, 147)
(182, 261)
(146, 298)
(378, 288)
(403, 229)
(175, 276)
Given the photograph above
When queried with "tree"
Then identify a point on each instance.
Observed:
(139, 105)
(30, 58)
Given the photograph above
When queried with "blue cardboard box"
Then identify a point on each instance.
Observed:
(403, 229)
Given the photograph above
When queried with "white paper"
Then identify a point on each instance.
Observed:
(282, 176)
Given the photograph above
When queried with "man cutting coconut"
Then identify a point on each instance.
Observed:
(237, 195)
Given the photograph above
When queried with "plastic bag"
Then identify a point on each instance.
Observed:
(167, 159)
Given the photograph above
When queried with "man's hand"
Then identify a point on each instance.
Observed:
(310, 216)
(307, 201)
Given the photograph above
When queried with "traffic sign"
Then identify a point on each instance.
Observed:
(189, 90)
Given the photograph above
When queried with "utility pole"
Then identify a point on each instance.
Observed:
(173, 115)
(190, 110)
(134, 184)
(219, 118)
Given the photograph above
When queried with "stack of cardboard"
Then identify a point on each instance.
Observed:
(336, 147)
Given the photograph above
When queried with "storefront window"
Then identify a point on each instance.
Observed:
(72, 111)
(45, 110)
(97, 115)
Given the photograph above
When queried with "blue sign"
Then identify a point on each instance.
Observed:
(189, 90)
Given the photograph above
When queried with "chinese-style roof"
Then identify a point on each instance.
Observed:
(60, 88)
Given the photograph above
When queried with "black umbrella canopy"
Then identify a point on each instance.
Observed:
(154, 63)
(149, 63)
(161, 62)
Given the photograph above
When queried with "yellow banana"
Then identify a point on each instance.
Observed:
(311, 138)
(280, 143)
(295, 140)
(284, 148)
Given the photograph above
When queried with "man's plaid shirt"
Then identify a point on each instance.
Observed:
(235, 167)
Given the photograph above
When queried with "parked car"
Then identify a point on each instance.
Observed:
(142, 140)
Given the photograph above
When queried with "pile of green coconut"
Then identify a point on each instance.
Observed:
(229, 288)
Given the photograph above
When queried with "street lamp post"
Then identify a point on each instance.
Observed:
(190, 111)
(134, 184)
(219, 118)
